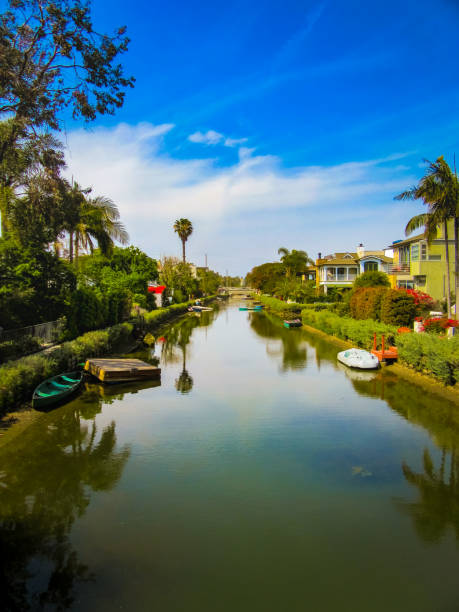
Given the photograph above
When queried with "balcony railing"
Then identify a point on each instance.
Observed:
(401, 268)
(331, 278)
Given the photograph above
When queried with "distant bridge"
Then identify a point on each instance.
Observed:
(234, 290)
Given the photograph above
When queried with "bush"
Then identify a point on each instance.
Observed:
(276, 305)
(19, 378)
(357, 332)
(12, 349)
(365, 302)
(431, 354)
(372, 279)
(398, 308)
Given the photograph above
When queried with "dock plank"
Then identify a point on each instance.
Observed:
(120, 370)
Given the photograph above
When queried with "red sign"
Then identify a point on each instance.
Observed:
(158, 289)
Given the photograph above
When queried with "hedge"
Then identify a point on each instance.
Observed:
(434, 355)
(358, 332)
(276, 305)
(19, 378)
(431, 354)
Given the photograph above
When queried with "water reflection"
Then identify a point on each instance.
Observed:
(177, 341)
(437, 509)
(290, 344)
(46, 481)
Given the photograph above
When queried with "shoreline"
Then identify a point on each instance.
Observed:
(424, 380)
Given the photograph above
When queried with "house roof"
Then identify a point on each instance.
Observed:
(354, 259)
(406, 241)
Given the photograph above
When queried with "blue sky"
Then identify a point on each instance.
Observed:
(273, 124)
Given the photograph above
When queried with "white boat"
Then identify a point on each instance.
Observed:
(358, 358)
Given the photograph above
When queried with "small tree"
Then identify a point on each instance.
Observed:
(372, 279)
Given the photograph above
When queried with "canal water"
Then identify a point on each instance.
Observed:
(259, 475)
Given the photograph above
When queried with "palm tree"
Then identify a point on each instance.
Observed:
(99, 221)
(294, 261)
(184, 228)
(438, 189)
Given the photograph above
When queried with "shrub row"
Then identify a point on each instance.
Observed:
(391, 306)
(427, 353)
(19, 378)
(431, 354)
(12, 349)
(358, 332)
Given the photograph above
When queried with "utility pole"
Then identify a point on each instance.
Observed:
(206, 260)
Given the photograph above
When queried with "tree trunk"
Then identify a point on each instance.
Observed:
(183, 250)
(448, 282)
(71, 247)
(456, 263)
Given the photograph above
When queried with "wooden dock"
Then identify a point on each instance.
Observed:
(386, 353)
(121, 370)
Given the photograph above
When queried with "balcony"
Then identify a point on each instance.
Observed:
(400, 268)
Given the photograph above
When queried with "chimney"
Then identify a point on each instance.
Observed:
(360, 251)
(319, 255)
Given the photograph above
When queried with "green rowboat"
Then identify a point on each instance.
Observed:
(55, 390)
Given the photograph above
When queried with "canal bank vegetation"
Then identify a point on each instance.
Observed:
(425, 353)
(19, 378)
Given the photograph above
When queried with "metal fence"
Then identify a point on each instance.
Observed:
(47, 332)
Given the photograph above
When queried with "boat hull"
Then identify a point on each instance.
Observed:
(56, 390)
(358, 359)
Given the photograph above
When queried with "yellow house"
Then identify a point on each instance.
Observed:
(419, 265)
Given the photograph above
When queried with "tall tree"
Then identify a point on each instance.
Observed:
(294, 261)
(184, 229)
(439, 190)
(98, 220)
(53, 58)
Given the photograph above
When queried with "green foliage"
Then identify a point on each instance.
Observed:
(398, 308)
(294, 261)
(36, 285)
(279, 306)
(19, 378)
(372, 279)
(266, 277)
(365, 302)
(12, 349)
(178, 278)
(431, 354)
(52, 58)
(357, 332)
(91, 309)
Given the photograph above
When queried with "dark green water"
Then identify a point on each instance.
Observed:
(258, 476)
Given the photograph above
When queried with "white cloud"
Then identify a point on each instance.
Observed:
(208, 138)
(233, 142)
(242, 212)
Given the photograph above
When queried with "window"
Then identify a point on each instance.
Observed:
(405, 284)
(415, 252)
(352, 273)
(370, 266)
(331, 274)
(420, 280)
(434, 257)
(423, 251)
(341, 274)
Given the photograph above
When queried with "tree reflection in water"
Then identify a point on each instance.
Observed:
(437, 508)
(48, 474)
(178, 338)
(293, 348)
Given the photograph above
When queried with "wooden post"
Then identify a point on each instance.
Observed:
(382, 346)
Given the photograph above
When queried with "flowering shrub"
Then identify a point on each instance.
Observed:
(421, 298)
(436, 325)
(403, 330)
